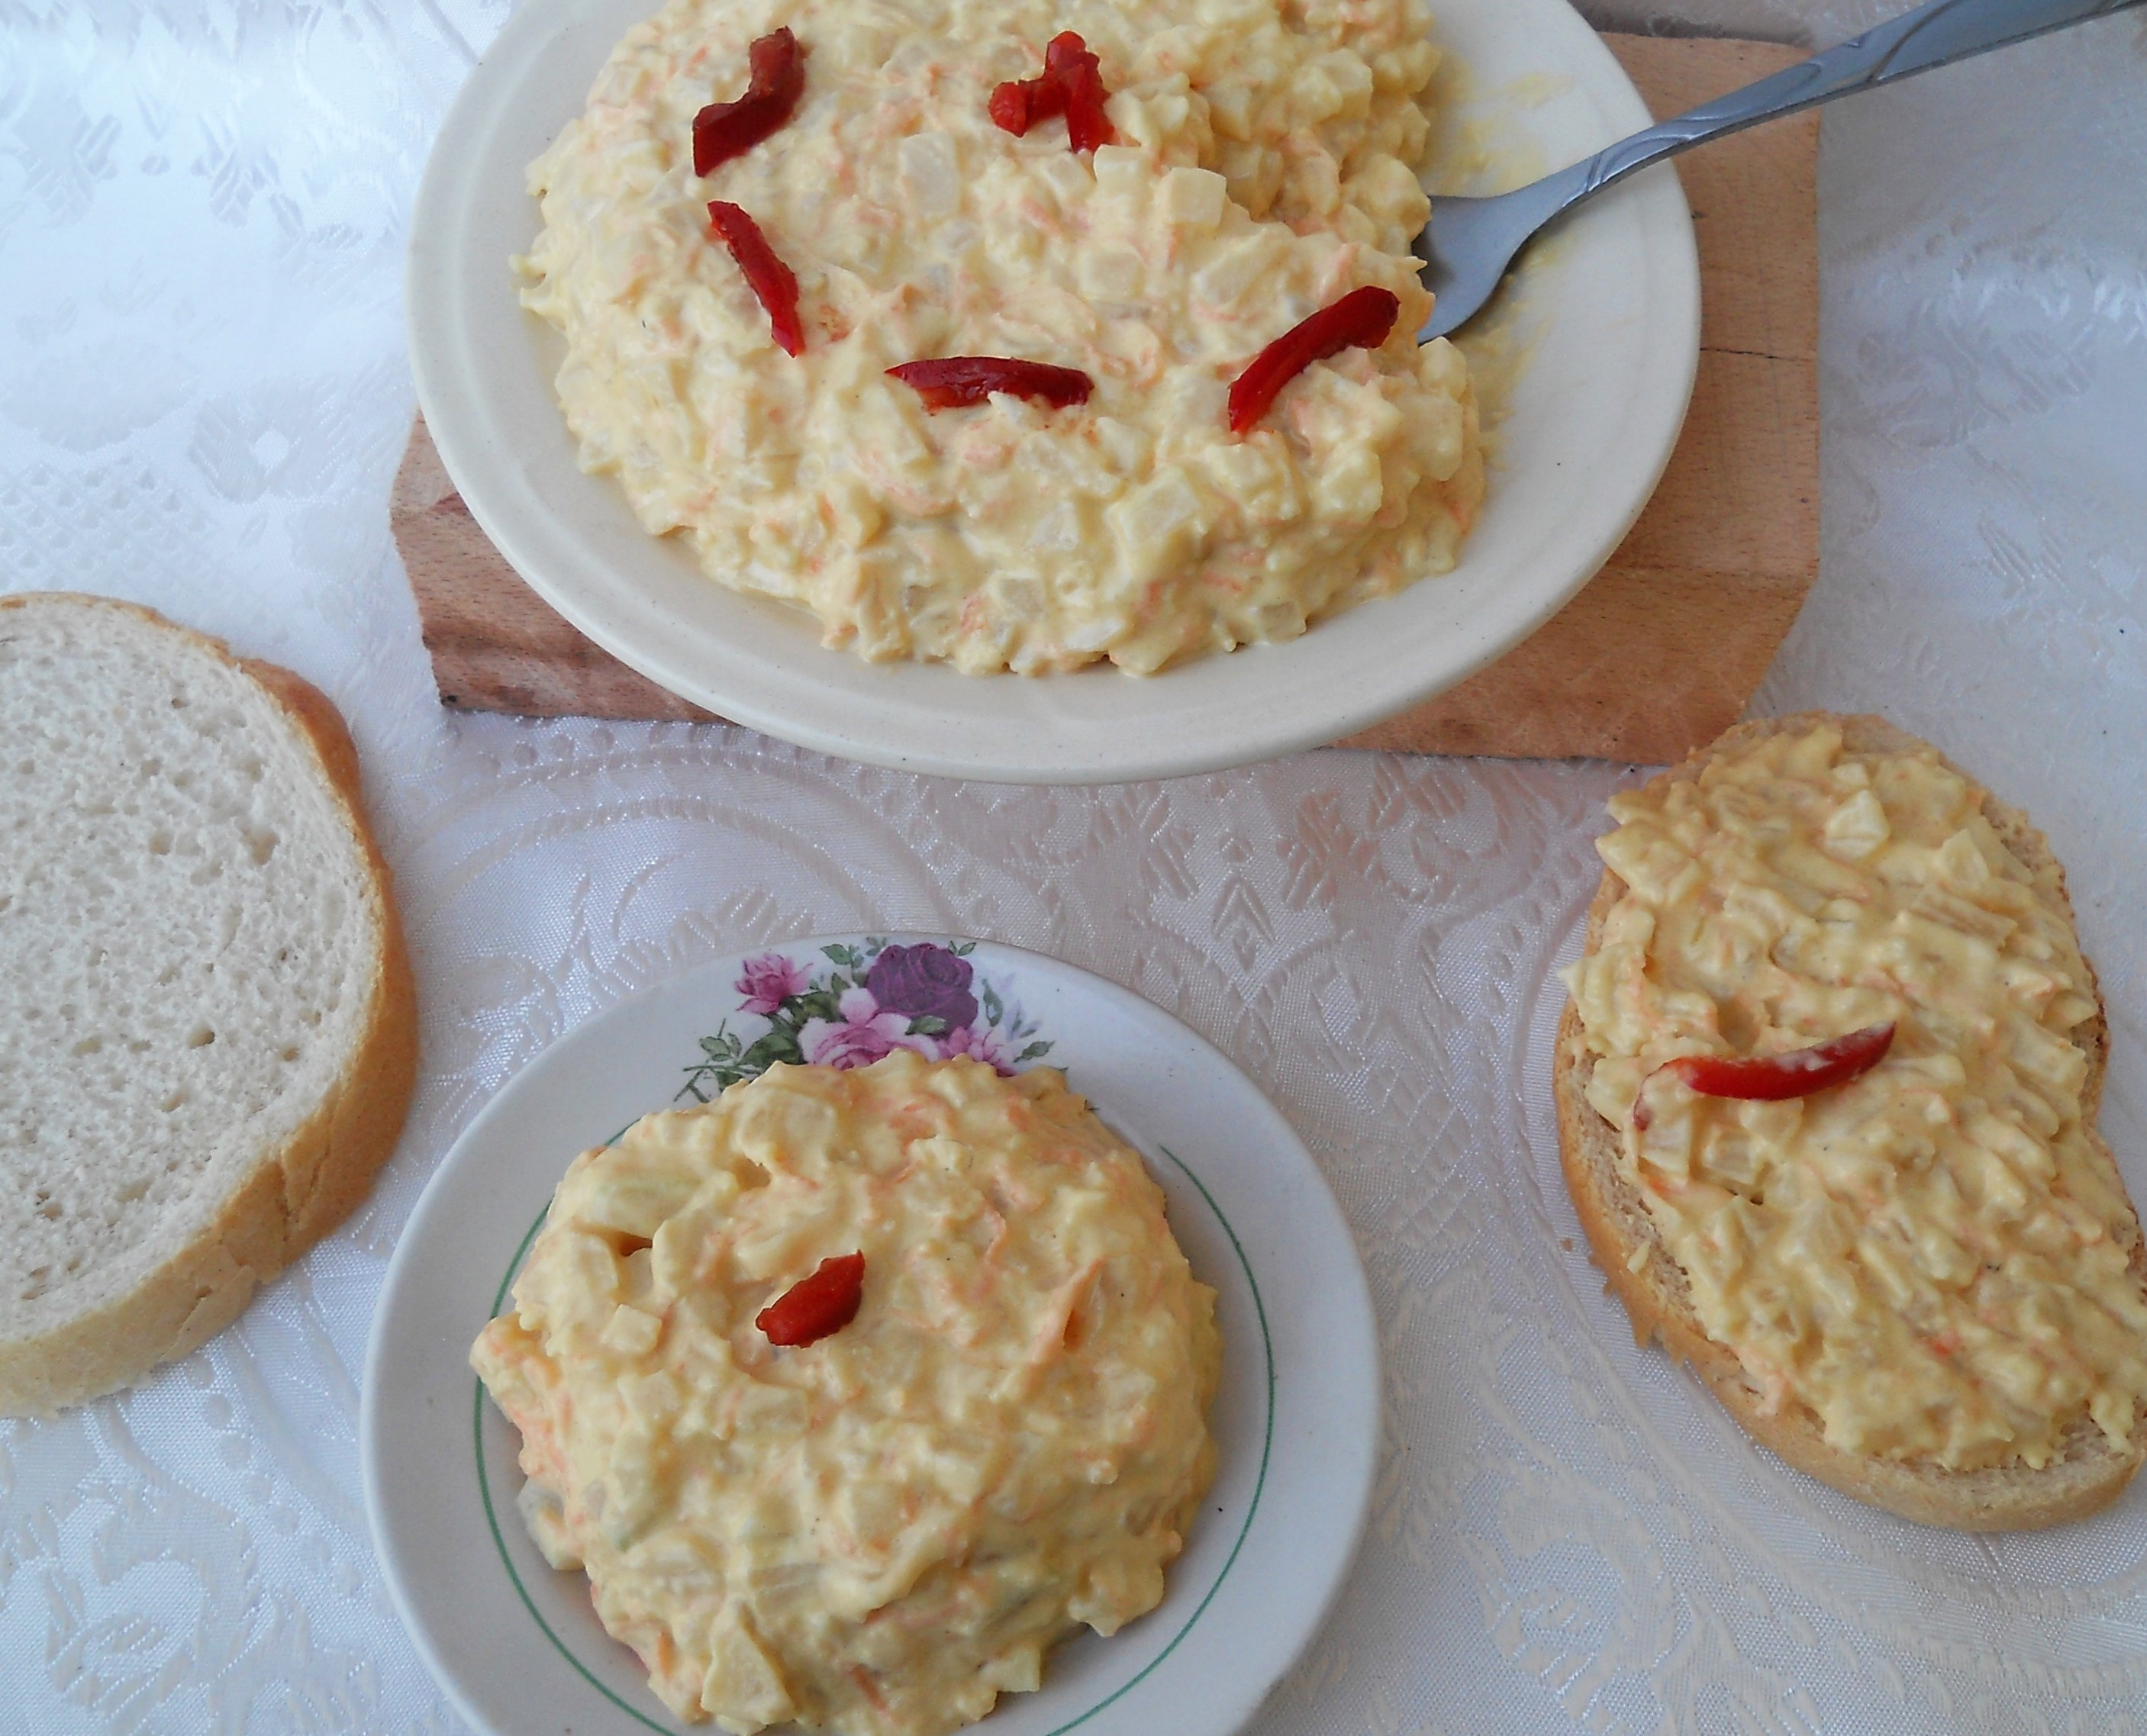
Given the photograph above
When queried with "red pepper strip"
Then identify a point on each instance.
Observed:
(1071, 84)
(725, 130)
(814, 1307)
(1066, 53)
(1360, 320)
(1082, 73)
(767, 276)
(1770, 1078)
(1017, 107)
(945, 382)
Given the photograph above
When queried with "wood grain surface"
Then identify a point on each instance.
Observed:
(1657, 654)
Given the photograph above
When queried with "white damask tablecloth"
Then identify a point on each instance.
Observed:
(203, 395)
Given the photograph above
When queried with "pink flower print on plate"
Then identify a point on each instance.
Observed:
(767, 982)
(858, 1000)
(864, 1034)
(986, 1044)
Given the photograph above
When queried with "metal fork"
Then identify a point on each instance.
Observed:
(1469, 243)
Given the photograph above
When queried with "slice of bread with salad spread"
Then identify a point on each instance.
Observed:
(1827, 1091)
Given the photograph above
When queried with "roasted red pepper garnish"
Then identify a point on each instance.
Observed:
(1360, 320)
(946, 382)
(1016, 107)
(1770, 1078)
(1082, 73)
(1071, 84)
(814, 1307)
(767, 276)
(725, 130)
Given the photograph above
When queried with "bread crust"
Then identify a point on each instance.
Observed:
(2088, 1474)
(295, 1192)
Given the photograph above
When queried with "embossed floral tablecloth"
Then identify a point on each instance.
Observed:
(203, 392)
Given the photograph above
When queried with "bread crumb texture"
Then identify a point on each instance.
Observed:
(198, 956)
(1938, 1259)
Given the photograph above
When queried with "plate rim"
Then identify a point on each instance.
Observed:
(1360, 1317)
(860, 711)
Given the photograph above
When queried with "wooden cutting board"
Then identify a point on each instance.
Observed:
(1657, 654)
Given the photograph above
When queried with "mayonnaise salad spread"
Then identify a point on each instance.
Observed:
(1933, 1256)
(880, 1531)
(1265, 165)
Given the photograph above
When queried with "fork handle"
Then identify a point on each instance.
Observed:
(1935, 34)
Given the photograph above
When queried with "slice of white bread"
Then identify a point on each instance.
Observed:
(208, 1028)
(2089, 1475)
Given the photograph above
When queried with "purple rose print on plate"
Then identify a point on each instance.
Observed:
(926, 982)
(855, 1002)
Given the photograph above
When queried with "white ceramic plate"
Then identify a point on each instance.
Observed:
(1594, 415)
(516, 1646)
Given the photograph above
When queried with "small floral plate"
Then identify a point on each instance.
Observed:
(516, 1646)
